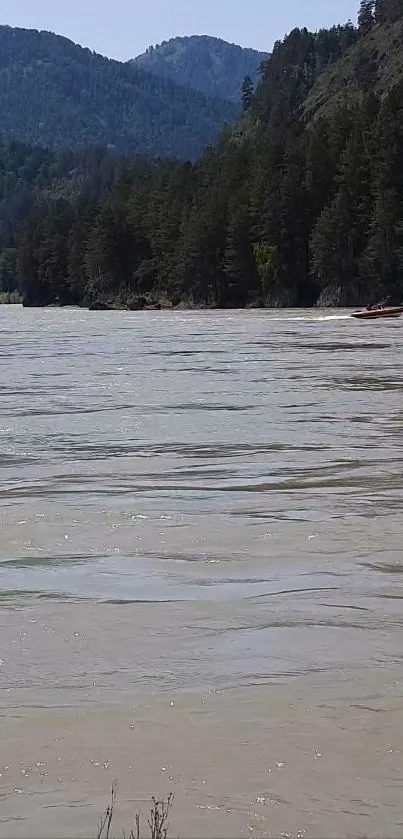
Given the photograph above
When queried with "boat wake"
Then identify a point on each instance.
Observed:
(312, 318)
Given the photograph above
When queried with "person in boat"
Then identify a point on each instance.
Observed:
(372, 307)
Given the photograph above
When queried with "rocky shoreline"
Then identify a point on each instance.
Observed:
(332, 297)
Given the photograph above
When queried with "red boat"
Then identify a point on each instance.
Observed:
(372, 312)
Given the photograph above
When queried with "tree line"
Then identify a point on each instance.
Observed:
(56, 94)
(290, 208)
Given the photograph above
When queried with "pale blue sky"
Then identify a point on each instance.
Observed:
(124, 28)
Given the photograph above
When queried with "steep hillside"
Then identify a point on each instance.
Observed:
(54, 93)
(210, 65)
(374, 64)
(301, 204)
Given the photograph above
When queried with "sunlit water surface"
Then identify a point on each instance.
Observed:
(201, 557)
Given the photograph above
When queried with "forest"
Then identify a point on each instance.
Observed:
(208, 64)
(56, 94)
(300, 204)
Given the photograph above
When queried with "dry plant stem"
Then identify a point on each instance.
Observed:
(106, 821)
(136, 834)
(158, 821)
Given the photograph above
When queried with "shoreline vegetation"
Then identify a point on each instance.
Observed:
(152, 306)
(8, 298)
(155, 306)
(299, 205)
(157, 822)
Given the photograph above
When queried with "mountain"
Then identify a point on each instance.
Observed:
(31, 175)
(56, 94)
(301, 204)
(374, 65)
(208, 64)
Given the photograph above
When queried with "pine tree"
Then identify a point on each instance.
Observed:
(340, 235)
(238, 262)
(366, 16)
(247, 93)
(382, 260)
(8, 271)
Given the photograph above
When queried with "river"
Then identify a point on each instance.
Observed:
(201, 571)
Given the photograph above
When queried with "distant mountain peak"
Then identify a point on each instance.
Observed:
(57, 94)
(203, 62)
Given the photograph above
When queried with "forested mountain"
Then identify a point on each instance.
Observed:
(210, 65)
(300, 204)
(31, 177)
(30, 174)
(54, 93)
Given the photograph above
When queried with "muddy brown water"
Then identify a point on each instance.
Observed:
(201, 568)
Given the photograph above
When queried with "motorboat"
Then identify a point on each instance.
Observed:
(380, 311)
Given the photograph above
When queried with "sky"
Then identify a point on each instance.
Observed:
(122, 29)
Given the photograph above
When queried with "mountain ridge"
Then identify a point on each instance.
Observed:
(376, 62)
(301, 204)
(57, 94)
(203, 62)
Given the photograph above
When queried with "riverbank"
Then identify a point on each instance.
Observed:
(145, 305)
(10, 298)
(331, 297)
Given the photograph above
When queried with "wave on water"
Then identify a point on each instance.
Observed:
(313, 318)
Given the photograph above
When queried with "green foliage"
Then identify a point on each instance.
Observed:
(53, 93)
(267, 265)
(247, 93)
(32, 177)
(373, 64)
(8, 271)
(302, 203)
(366, 16)
(208, 64)
(9, 298)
